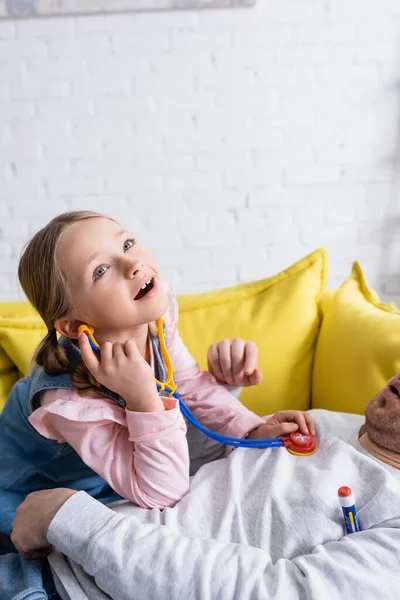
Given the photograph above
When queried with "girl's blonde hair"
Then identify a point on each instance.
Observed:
(46, 287)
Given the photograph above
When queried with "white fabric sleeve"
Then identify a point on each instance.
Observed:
(130, 559)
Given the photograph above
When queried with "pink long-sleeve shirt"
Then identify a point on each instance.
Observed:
(144, 455)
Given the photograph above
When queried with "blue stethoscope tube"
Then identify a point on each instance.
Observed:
(229, 441)
(223, 439)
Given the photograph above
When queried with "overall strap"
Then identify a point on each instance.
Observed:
(159, 365)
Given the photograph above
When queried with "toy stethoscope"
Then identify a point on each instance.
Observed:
(296, 442)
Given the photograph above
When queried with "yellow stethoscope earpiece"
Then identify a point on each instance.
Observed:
(92, 341)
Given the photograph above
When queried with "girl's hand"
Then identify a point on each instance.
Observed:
(122, 369)
(234, 362)
(283, 423)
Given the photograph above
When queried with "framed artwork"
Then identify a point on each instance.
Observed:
(10, 9)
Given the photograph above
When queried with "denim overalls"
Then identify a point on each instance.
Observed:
(31, 462)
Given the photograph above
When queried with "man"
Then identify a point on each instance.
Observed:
(260, 524)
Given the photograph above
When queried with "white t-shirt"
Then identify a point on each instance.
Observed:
(258, 524)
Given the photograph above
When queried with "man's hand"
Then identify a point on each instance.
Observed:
(34, 515)
(283, 423)
(234, 362)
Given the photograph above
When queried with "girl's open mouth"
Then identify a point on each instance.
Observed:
(145, 289)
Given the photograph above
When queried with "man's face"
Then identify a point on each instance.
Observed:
(383, 416)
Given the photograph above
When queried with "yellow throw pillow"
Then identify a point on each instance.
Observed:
(326, 301)
(5, 362)
(280, 314)
(8, 376)
(358, 348)
(21, 330)
(7, 380)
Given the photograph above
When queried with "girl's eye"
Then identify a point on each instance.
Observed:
(99, 272)
(128, 244)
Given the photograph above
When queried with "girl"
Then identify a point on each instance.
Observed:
(100, 425)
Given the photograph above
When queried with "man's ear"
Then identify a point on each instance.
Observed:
(69, 327)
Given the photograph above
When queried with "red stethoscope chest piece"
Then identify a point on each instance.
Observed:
(300, 443)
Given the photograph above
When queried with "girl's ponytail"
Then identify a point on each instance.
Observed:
(50, 355)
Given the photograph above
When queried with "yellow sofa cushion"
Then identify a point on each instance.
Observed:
(5, 361)
(21, 330)
(280, 313)
(7, 380)
(9, 373)
(358, 348)
(8, 376)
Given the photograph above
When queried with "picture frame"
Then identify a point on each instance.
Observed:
(44, 8)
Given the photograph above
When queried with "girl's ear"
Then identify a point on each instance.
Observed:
(69, 327)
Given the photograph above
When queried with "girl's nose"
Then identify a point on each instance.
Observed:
(134, 268)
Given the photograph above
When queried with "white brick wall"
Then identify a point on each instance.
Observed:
(231, 142)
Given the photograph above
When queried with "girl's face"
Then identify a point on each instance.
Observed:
(115, 284)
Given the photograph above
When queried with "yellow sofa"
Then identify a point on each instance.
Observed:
(317, 349)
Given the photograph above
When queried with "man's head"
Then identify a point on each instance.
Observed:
(383, 416)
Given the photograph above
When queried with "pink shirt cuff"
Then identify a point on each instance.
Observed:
(243, 423)
(146, 426)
